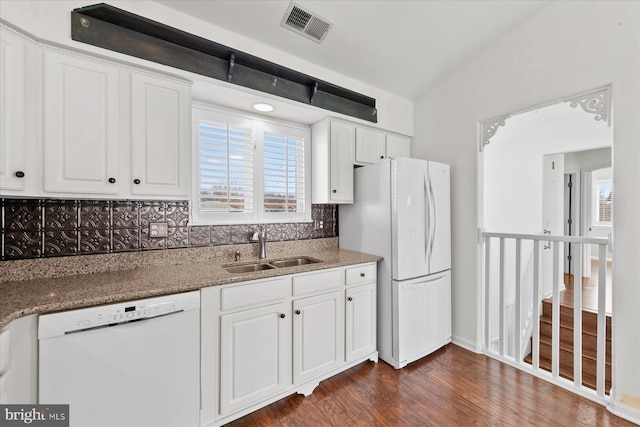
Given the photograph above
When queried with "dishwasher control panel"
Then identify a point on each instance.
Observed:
(114, 314)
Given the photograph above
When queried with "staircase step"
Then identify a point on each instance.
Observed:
(589, 318)
(566, 354)
(589, 341)
(588, 380)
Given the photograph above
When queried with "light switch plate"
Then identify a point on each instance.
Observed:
(158, 229)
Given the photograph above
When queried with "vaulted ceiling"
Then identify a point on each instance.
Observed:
(403, 47)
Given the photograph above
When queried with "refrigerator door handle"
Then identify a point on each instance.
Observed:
(432, 232)
(427, 215)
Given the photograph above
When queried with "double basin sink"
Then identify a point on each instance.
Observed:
(259, 266)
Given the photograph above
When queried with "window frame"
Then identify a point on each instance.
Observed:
(259, 124)
(595, 203)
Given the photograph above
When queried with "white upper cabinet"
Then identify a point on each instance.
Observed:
(13, 169)
(370, 145)
(373, 145)
(81, 125)
(160, 130)
(75, 125)
(333, 147)
(398, 146)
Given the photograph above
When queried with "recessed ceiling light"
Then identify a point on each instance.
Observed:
(261, 106)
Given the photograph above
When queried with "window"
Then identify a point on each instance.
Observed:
(602, 202)
(249, 170)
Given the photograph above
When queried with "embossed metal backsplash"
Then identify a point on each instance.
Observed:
(39, 228)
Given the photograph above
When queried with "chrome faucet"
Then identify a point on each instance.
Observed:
(261, 237)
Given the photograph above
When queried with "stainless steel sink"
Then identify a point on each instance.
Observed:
(293, 262)
(248, 268)
(259, 266)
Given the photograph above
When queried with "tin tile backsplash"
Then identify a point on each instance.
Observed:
(37, 228)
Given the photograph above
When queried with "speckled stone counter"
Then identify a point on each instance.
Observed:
(39, 287)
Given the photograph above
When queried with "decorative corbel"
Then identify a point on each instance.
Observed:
(489, 128)
(597, 102)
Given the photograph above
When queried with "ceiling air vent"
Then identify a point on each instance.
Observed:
(306, 23)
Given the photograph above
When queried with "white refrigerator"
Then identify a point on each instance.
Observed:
(401, 212)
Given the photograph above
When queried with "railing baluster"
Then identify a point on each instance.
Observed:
(535, 350)
(487, 290)
(517, 334)
(555, 322)
(502, 302)
(529, 299)
(577, 316)
(602, 326)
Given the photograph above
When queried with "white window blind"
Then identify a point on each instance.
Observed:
(249, 170)
(226, 168)
(284, 173)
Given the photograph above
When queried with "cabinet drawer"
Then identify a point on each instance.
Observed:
(360, 274)
(5, 345)
(316, 282)
(261, 292)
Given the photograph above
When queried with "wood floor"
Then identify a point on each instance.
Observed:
(451, 387)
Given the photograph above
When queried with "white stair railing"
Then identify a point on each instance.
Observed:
(527, 289)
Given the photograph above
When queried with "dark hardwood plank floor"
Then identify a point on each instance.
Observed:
(451, 387)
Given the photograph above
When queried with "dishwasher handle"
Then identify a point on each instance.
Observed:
(124, 322)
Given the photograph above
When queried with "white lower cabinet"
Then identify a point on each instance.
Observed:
(360, 321)
(317, 336)
(263, 340)
(255, 354)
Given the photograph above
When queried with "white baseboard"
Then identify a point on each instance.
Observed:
(627, 412)
(466, 344)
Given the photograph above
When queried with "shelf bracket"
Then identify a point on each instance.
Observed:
(232, 64)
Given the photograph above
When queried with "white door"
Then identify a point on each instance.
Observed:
(316, 336)
(422, 316)
(409, 218)
(360, 321)
(160, 136)
(439, 218)
(80, 125)
(341, 151)
(255, 355)
(553, 217)
(13, 170)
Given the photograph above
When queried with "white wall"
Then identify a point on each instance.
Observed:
(51, 20)
(566, 48)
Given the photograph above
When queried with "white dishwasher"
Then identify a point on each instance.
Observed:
(127, 364)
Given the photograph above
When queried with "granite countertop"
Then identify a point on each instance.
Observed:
(51, 294)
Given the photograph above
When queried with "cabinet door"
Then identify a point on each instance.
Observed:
(80, 126)
(160, 136)
(370, 146)
(398, 146)
(317, 336)
(360, 319)
(341, 162)
(13, 170)
(255, 355)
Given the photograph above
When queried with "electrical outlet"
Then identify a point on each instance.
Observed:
(317, 225)
(158, 229)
